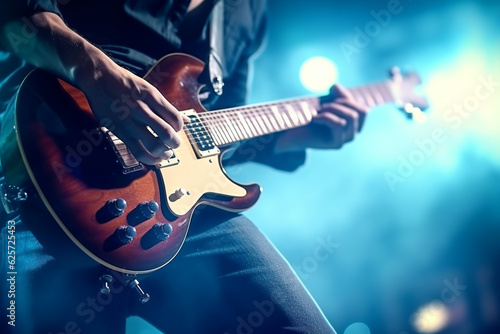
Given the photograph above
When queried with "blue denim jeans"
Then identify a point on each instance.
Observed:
(227, 279)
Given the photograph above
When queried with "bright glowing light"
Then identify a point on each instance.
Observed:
(418, 116)
(431, 318)
(409, 108)
(318, 74)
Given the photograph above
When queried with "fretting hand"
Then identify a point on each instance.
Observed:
(336, 123)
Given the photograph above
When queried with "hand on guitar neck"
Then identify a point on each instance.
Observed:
(336, 123)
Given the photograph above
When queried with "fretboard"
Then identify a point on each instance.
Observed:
(237, 124)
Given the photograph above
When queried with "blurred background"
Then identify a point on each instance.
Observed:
(412, 222)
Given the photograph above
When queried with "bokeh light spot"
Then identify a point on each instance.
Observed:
(357, 328)
(318, 74)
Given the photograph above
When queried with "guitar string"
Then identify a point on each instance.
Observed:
(234, 125)
(363, 90)
(232, 115)
(374, 91)
(226, 126)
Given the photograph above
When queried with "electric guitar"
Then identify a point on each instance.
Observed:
(83, 192)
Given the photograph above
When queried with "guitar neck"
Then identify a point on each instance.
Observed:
(232, 125)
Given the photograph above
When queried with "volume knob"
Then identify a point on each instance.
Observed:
(148, 209)
(116, 207)
(126, 233)
(162, 231)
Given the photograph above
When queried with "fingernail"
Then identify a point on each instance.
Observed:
(167, 154)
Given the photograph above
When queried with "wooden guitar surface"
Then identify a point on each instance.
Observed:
(79, 173)
(62, 152)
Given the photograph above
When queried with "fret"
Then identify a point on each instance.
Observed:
(367, 96)
(358, 95)
(376, 94)
(223, 130)
(235, 127)
(277, 116)
(300, 115)
(219, 132)
(214, 130)
(287, 121)
(261, 123)
(229, 128)
(245, 125)
(268, 124)
(226, 129)
(273, 121)
(250, 125)
(386, 92)
(207, 123)
(256, 125)
(307, 112)
(292, 114)
(237, 124)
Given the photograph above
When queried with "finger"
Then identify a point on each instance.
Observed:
(335, 126)
(358, 107)
(167, 111)
(139, 151)
(153, 145)
(339, 91)
(332, 121)
(350, 115)
(165, 132)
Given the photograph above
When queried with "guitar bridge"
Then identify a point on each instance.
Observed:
(129, 163)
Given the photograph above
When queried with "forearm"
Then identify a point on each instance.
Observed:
(44, 40)
(54, 47)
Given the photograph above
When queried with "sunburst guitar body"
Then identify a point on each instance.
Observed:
(90, 201)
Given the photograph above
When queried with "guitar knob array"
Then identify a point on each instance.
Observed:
(142, 212)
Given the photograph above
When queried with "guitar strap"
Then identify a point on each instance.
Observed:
(216, 56)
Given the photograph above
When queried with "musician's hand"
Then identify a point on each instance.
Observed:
(336, 123)
(116, 96)
(130, 104)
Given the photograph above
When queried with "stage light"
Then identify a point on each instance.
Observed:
(318, 74)
(431, 318)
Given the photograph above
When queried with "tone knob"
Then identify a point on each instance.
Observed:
(148, 209)
(116, 207)
(126, 233)
(162, 231)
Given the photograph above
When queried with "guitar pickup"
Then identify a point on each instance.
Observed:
(200, 138)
